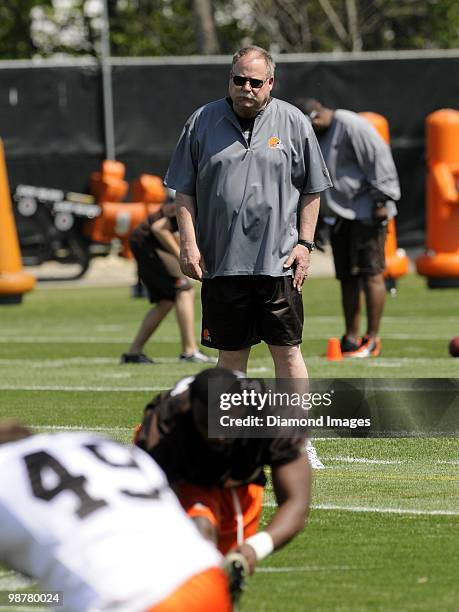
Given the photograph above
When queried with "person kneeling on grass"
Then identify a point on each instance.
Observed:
(220, 482)
(155, 248)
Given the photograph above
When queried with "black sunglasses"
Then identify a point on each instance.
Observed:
(240, 81)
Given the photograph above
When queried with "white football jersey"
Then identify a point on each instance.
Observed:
(97, 520)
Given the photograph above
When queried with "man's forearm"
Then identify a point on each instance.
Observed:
(292, 487)
(287, 522)
(186, 218)
(191, 261)
(168, 241)
(309, 212)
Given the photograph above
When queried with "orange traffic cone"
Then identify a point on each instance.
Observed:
(334, 350)
(13, 281)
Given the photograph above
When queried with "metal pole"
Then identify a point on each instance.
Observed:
(107, 85)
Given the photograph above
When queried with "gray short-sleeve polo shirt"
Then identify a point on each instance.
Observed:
(361, 166)
(247, 196)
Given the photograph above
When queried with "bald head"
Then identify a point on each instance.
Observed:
(320, 116)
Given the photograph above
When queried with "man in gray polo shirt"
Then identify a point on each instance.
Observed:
(248, 173)
(365, 185)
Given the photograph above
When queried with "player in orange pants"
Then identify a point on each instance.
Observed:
(220, 481)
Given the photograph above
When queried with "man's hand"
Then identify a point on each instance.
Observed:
(380, 213)
(249, 554)
(236, 568)
(192, 263)
(299, 259)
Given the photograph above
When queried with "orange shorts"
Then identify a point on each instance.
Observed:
(221, 508)
(205, 592)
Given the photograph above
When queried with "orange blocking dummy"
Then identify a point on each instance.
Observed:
(149, 188)
(397, 263)
(108, 185)
(118, 219)
(13, 281)
(440, 262)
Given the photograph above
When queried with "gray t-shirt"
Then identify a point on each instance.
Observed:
(361, 167)
(247, 196)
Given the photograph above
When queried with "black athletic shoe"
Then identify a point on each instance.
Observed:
(347, 346)
(131, 358)
(139, 290)
(237, 569)
(369, 347)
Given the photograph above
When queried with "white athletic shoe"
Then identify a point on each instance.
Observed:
(197, 357)
(313, 459)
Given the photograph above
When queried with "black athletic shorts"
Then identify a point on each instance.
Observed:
(358, 249)
(160, 273)
(240, 311)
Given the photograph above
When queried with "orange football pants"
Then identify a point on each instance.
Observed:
(205, 592)
(233, 511)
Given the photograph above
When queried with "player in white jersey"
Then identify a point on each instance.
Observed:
(97, 520)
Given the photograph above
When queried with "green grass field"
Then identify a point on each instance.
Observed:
(383, 531)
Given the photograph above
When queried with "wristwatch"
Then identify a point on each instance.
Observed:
(309, 245)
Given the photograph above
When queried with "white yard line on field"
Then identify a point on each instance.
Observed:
(364, 460)
(100, 429)
(28, 339)
(84, 361)
(55, 363)
(65, 340)
(306, 568)
(52, 363)
(396, 361)
(376, 510)
(86, 389)
(385, 461)
(389, 319)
